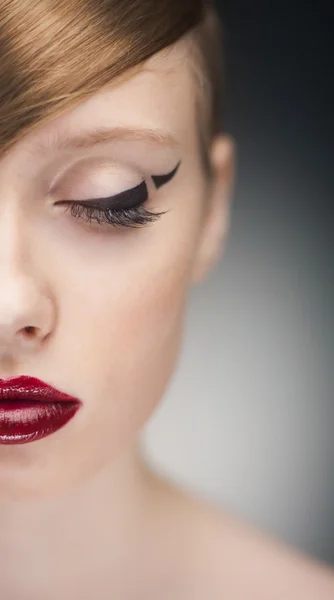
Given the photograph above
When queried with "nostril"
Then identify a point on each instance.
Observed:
(30, 330)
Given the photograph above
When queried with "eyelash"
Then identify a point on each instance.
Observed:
(134, 217)
(110, 210)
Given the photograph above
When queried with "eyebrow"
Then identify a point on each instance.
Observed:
(103, 135)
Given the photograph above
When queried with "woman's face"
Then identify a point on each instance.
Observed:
(107, 303)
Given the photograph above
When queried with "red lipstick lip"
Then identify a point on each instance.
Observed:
(31, 388)
(31, 409)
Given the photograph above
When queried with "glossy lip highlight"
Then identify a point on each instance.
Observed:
(31, 409)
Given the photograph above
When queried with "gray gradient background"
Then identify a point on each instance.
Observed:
(248, 418)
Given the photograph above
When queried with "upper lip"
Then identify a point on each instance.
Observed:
(31, 388)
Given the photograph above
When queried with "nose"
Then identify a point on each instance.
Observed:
(26, 313)
(27, 310)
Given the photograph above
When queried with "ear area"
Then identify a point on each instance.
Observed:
(217, 207)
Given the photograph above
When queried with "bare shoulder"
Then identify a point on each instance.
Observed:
(225, 557)
(243, 562)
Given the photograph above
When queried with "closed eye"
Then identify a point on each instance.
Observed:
(124, 209)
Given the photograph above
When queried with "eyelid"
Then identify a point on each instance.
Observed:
(136, 195)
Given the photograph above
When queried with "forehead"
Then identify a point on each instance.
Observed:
(158, 95)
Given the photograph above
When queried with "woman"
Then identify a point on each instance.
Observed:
(115, 179)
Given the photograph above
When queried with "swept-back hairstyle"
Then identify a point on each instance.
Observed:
(55, 53)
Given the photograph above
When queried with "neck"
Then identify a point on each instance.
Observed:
(50, 544)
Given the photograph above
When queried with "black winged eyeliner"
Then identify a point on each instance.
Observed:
(160, 180)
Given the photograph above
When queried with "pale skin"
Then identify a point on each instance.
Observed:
(81, 515)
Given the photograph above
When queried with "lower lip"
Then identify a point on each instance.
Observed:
(22, 422)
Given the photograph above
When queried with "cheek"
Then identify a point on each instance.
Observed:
(121, 328)
(128, 357)
(138, 333)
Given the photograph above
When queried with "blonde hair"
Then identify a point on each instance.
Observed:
(54, 55)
